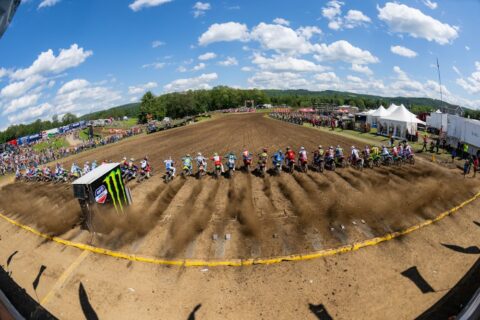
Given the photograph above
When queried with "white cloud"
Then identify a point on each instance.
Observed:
(342, 50)
(308, 32)
(355, 18)
(228, 62)
(139, 89)
(281, 63)
(281, 21)
(154, 65)
(354, 79)
(140, 4)
(471, 84)
(432, 5)
(157, 43)
(32, 113)
(199, 67)
(16, 89)
(280, 38)
(47, 3)
(200, 8)
(200, 82)
(3, 72)
(207, 56)
(182, 69)
(229, 31)
(333, 13)
(361, 69)
(247, 69)
(273, 80)
(467, 48)
(404, 52)
(404, 19)
(327, 77)
(73, 85)
(21, 103)
(47, 62)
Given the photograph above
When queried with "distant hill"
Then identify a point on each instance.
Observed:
(129, 110)
(407, 101)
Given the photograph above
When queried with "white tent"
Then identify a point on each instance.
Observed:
(399, 122)
(373, 117)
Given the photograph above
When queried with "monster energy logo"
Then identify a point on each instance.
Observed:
(114, 179)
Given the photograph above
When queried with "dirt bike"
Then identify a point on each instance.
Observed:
(247, 162)
(262, 169)
(410, 159)
(387, 160)
(340, 161)
(398, 160)
(290, 165)
(369, 163)
(330, 164)
(231, 169)
(130, 174)
(186, 172)
(201, 171)
(319, 164)
(277, 165)
(217, 171)
(303, 165)
(143, 174)
(60, 178)
(357, 163)
(168, 176)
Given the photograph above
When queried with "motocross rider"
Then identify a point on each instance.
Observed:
(201, 161)
(169, 166)
(187, 162)
(217, 161)
(231, 158)
(339, 152)
(302, 156)
(277, 157)
(355, 155)
(289, 156)
(86, 167)
(262, 158)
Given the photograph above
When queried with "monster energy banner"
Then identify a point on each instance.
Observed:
(103, 187)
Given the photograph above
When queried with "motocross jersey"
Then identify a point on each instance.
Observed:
(290, 155)
(246, 155)
(217, 160)
(302, 155)
(168, 164)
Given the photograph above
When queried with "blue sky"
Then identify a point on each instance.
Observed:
(76, 56)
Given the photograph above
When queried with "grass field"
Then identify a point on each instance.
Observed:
(55, 143)
(124, 124)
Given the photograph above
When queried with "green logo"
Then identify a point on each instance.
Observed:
(114, 179)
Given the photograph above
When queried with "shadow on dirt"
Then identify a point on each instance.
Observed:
(191, 316)
(415, 276)
(469, 250)
(87, 308)
(320, 312)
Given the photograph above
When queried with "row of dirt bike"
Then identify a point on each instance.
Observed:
(290, 166)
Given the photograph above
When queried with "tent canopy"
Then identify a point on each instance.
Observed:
(380, 112)
(401, 114)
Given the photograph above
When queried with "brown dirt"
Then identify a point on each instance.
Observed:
(271, 216)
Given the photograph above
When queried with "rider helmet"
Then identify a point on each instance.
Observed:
(199, 154)
(288, 148)
(265, 150)
(188, 155)
(320, 147)
(302, 148)
(215, 154)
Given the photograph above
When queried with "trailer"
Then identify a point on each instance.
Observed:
(101, 189)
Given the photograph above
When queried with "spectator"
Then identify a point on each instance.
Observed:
(425, 142)
(454, 154)
(475, 166)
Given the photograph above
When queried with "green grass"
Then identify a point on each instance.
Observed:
(83, 135)
(55, 143)
(124, 124)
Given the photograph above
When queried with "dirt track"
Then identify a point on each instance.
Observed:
(265, 217)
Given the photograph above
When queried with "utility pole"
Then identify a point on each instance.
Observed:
(440, 84)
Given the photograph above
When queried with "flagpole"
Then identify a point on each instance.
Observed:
(440, 84)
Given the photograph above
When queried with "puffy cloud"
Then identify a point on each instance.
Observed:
(47, 62)
(73, 85)
(355, 18)
(229, 31)
(354, 79)
(157, 43)
(404, 19)
(141, 88)
(472, 83)
(200, 82)
(47, 3)
(140, 4)
(273, 80)
(16, 89)
(228, 62)
(432, 5)
(207, 56)
(199, 67)
(281, 21)
(343, 51)
(247, 69)
(280, 38)
(44, 110)
(308, 32)
(281, 63)
(200, 8)
(21, 103)
(3, 72)
(333, 13)
(404, 52)
(326, 77)
(361, 69)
